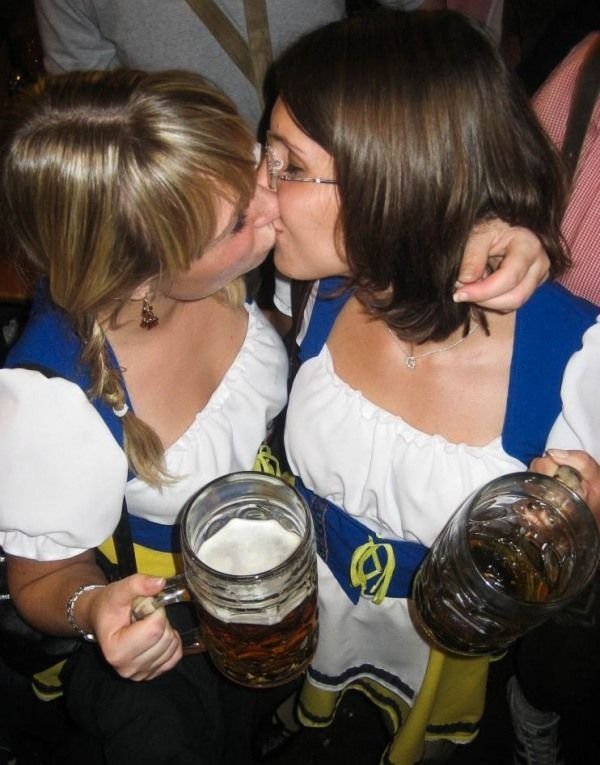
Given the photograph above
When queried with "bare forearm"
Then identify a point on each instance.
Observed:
(139, 651)
(41, 591)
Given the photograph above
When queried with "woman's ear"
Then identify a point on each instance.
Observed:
(143, 290)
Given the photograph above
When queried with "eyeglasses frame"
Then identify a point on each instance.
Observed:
(274, 177)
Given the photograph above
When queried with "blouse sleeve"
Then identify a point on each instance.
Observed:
(578, 425)
(63, 473)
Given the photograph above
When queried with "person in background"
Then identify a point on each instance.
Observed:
(487, 12)
(552, 103)
(154, 35)
(133, 197)
(150, 34)
(553, 703)
(407, 400)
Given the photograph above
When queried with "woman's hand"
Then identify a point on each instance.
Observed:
(585, 465)
(502, 266)
(139, 650)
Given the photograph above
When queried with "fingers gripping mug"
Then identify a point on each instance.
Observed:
(250, 568)
(515, 553)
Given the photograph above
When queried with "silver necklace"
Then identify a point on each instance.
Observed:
(410, 359)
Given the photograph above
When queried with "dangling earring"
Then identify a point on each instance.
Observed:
(149, 318)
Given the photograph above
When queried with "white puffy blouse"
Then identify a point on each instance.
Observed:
(403, 484)
(64, 475)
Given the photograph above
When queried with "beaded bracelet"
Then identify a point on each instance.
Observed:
(91, 638)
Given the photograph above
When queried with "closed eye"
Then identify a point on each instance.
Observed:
(240, 223)
(292, 171)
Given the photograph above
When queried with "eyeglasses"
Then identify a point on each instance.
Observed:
(276, 153)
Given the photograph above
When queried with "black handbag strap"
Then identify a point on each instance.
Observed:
(252, 58)
(582, 106)
(123, 542)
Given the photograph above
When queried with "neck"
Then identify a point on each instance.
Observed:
(497, 325)
(456, 336)
(127, 322)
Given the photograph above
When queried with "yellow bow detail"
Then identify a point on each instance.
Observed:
(266, 462)
(368, 554)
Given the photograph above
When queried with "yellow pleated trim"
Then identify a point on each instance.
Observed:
(449, 705)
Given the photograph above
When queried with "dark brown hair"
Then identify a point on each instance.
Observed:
(430, 134)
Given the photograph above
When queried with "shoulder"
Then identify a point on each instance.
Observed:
(580, 415)
(556, 304)
(548, 331)
(41, 415)
(264, 338)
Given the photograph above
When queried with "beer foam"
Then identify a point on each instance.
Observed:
(246, 546)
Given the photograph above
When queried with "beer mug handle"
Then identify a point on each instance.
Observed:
(174, 591)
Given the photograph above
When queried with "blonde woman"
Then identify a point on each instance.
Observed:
(133, 198)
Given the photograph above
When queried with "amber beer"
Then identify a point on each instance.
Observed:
(250, 565)
(516, 552)
(453, 612)
(263, 655)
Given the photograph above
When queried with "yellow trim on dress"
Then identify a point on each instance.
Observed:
(449, 706)
(148, 561)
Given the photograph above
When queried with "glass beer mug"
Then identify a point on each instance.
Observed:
(516, 552)
(250, 568)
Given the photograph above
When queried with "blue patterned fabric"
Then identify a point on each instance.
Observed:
(328, 305)
(339, 535)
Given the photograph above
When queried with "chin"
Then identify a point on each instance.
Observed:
(282, 265)
(295, 273)
(261, 259)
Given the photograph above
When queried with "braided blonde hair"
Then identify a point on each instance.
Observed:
(110, 179)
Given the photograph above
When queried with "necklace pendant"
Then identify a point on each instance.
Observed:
(410, 362)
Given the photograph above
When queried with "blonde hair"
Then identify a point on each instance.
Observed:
(110, 179)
